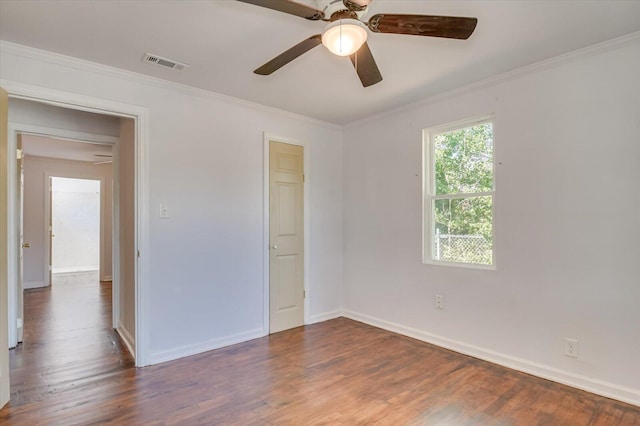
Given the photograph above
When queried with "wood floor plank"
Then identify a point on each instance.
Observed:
(74, 369)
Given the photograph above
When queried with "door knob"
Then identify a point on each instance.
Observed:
(26, 245)
(275, 247)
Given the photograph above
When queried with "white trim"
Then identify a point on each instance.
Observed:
(13, 239)
(209, 345)
(268, 137)
(460, 124)
(107, 278)
(64, 134)
(76, 63)
(102, 264)
(429, 191)
(141, 117)
(461, 195)
(128, 340)
(585, 52)
(599, 387)
(325, 316)
(142, 209)
(33, 284)
(5, 391)
(53, 160)
(76, 270)
(115, 238)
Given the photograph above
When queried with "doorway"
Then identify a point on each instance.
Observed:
(75, 227)
(47, 156)
(286, 235)
(135, 123)
(64, 125)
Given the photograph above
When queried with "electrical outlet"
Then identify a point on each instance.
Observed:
(439, 301)
(571, 347)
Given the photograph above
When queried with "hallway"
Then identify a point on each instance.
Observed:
(69, 344)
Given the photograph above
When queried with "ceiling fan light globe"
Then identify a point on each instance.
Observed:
(344, 37)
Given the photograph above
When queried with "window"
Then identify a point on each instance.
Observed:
(459, 194)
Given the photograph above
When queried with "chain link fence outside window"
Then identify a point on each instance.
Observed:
(463, 248)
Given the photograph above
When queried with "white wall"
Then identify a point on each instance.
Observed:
(566, 240)
(75, 207)
(35, 215)
(567, 150)
(205, 163)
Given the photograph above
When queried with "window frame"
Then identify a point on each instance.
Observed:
(429, 191)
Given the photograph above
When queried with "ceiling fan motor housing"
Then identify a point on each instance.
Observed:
(330, 7)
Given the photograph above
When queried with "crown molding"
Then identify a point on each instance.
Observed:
(554, 62)
(105, 70)
(27, 52)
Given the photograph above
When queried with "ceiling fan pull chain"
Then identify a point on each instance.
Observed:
(341, 35)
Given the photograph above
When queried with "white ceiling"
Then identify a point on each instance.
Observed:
(225, 40)
(42, 146)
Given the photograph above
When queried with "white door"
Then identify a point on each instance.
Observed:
(4, 277)
(286, 231)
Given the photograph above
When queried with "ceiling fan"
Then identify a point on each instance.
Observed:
(346, 34)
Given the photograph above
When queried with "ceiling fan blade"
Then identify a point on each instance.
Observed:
(366, 66)
(423, 25)
(287, 56)
(289, 7)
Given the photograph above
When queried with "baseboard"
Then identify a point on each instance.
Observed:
(33, 284)
(325, 316)
(75, 271)
(599, 387)
(128, 340)
(209, 345)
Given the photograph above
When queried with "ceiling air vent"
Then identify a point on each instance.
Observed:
(165, 62)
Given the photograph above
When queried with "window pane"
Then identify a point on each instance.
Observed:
(462, 230)
(464, 160)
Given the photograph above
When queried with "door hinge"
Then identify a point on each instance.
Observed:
(18, 154)
(304, 294)
(49, 267)
(303, 178)
(138, 254)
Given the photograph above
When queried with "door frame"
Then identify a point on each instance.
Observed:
(4, 257)
(140, 116)
(269, 137)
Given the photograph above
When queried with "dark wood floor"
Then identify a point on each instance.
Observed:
(72, 369)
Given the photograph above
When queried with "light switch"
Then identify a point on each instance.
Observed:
(164, 211)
